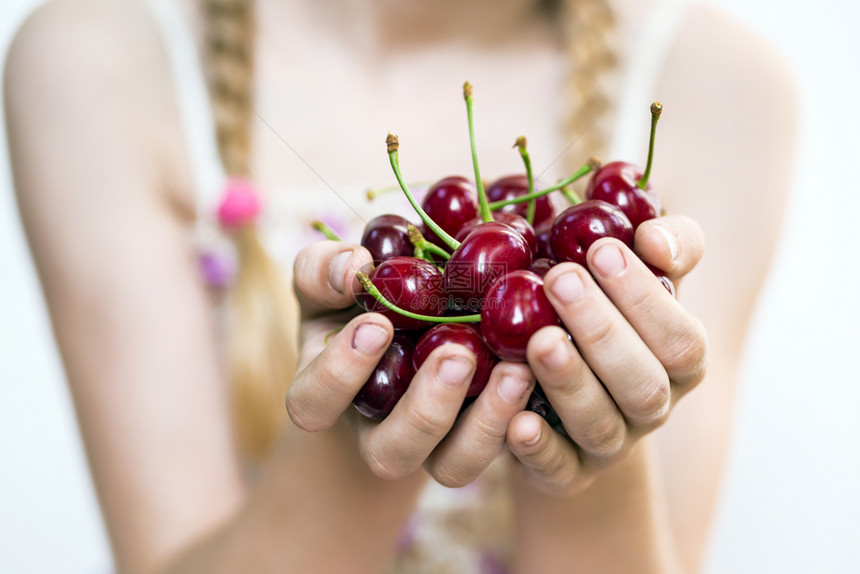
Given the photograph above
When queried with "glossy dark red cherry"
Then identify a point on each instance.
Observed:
(465, 334)
(584, 223)
(616, 183)
(450, 202)
(411, 284)
(542, 233)
(512, 186)
(488, 252)
(515, 307)
(388, 381)
(539, 404)
(516, 221)
(385, 237)
(663, 279)
(542, 265)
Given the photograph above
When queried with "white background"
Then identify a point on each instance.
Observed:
(791, 503)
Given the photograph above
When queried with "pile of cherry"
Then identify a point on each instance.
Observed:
(471, 272)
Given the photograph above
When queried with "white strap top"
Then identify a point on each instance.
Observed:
(195, 109)
(640, 80)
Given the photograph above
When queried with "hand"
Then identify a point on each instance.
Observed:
(635, 352)
(424, 427)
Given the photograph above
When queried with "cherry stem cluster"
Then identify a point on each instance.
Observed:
(521, 145)
(592, 165)
(656, 110)
(374, 292)
(423, 246)
(393, 145)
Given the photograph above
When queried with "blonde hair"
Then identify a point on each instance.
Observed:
(261, 339)
(587, 28)
(262, 316)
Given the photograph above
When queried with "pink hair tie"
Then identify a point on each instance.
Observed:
(240, 204)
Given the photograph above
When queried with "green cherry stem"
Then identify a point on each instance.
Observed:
(372, 194)
(656, 110)
(521, 145)
(421, 243)
(571, 196)
(483, 206)
(374, 292)
(592, 165)
(393, 145)
(327, 231)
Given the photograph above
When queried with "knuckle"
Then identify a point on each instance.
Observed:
(428, 422)
(604, 438)
(482, 429)
(380, 466)
(687, 354)
(447, 476)
(598, 334)
(301, 415)
(651, 407)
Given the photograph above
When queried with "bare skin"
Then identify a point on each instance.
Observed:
(105, 195)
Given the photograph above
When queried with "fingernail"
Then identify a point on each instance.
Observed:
(455, 371)
(670, 238)
(513, 389)
(557, 357)
(609, 260)
(337, 270)
(568, 287)
(369, 339)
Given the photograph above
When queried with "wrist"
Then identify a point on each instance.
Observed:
(617, 524)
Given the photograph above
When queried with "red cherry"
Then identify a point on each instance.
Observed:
(511, 186)
(515, 307)
(581, 225)
(464, 334)
(617, 183)
(516, 221)
(411, 284)
(664, 280)
(450, 202)
(542, 233)
(385, 237)
(490, 251)
(388, 381)
(542, 265)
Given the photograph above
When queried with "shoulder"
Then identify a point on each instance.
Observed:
(90, 77)
(726, 145)
(727, 74)
(64, 42)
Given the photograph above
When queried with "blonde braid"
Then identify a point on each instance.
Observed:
(262, 312)
(587, 27)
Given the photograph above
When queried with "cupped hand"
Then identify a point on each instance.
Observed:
(634, 352)
(424, 428)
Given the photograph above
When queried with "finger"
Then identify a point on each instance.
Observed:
(676, 338)
(324, 389)
(398, 445)
(611, 347)
(479, 433)
(549, 459)
(324, 275)
(674, 244)
(588, 413)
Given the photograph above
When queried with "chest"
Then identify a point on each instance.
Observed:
(327, 95)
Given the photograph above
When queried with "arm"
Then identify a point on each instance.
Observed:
(104, 191)
(653, 510)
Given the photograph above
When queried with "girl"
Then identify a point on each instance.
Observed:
(115, 170)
